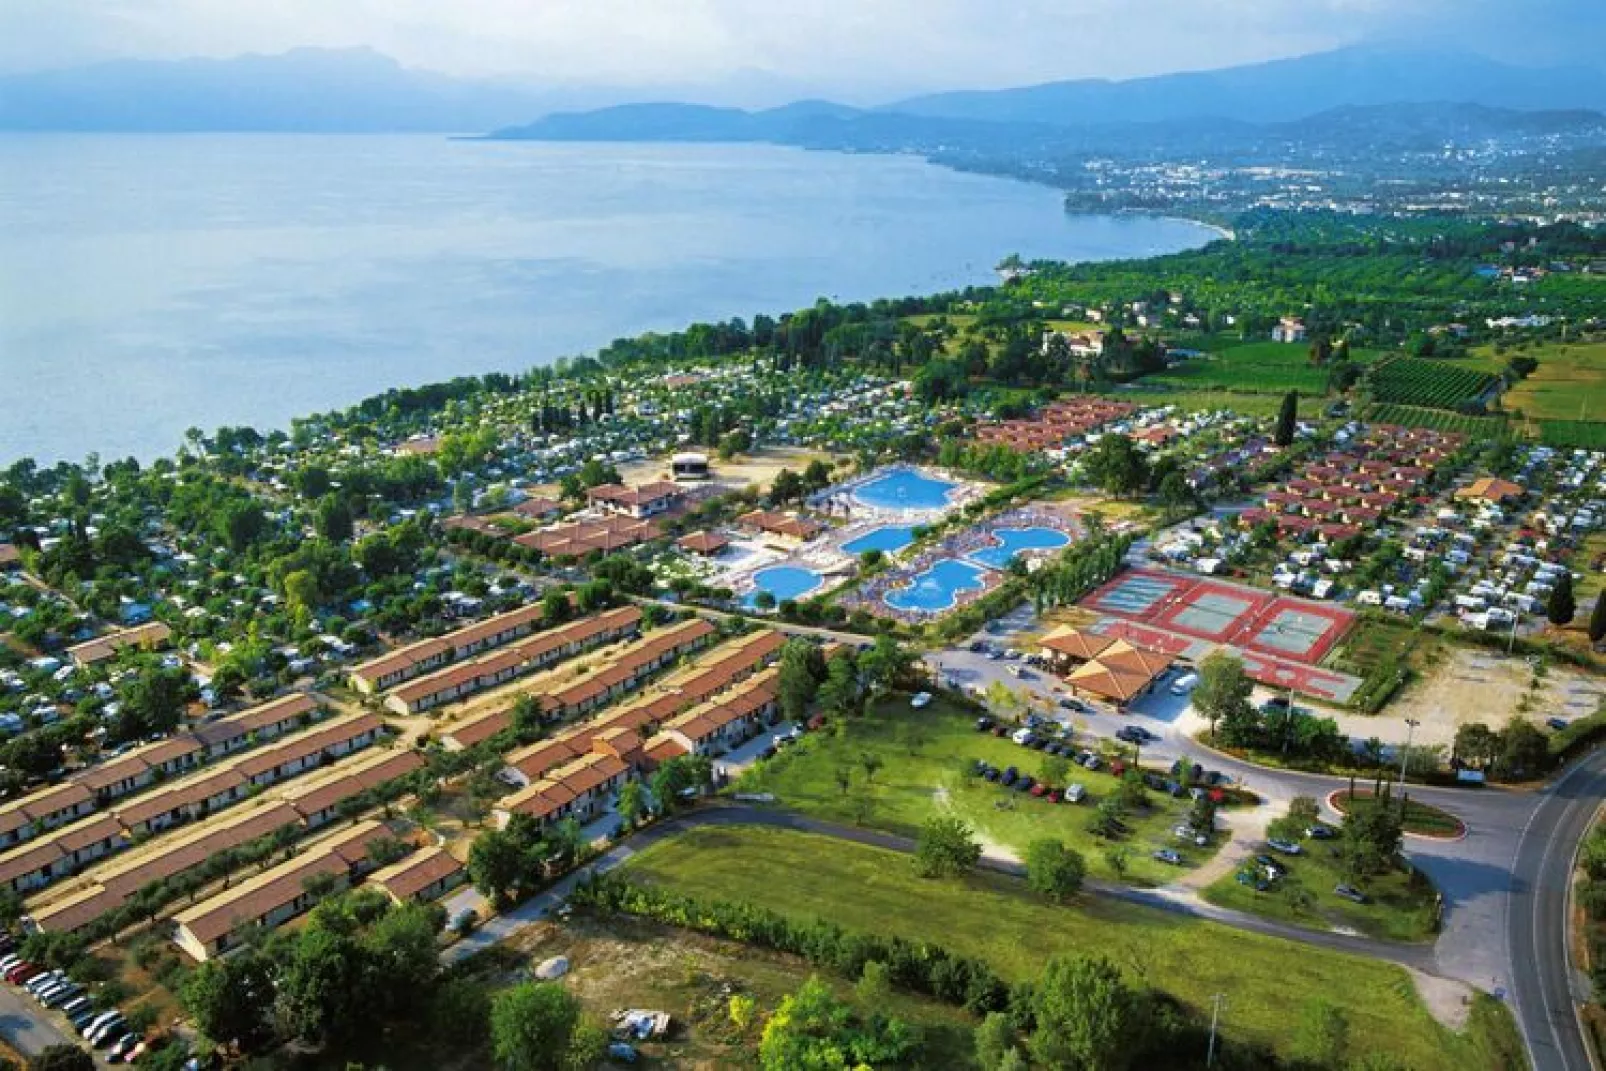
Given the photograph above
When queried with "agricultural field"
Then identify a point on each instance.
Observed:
(993, 917)
(923, 759)
(1433, 384)
(1573, 434)
(1250, 368)
(1568, 386)
(1410, 416)
(1196, 401)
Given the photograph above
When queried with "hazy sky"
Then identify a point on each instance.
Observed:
(861, 46)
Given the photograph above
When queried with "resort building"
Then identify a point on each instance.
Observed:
(579, 790)
(10, 557)
(147, 637)
(423, 876)
(780, 528)
(642, 501)
(707, 544)
(1112, 670)
(405, 663)
(1492, 490)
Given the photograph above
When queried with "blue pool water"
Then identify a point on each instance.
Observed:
(888, 538)
(784, 582)
(1014, 540)
(937, 587)
(905, 489)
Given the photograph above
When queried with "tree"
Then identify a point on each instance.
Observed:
(1116, 465)
(1054, 870)
(62, 1058)
(1523, 749)
(533, 1026)
(333, 519)
(840, 695)
(1223, 690)
(301, 595)
(152, 702)
(995, 1041)
(1370, 838)
(1087, 1017)
(1321, 1038)
(871, 764)
(496, 864)
(886, 663)
(227, 998)
(526, 716)
(632, 803)
(802, 670)
(874, 988)
(947, 847)
(1560, 608)
(787, 487)
(1476, 744)
(1175, 493)
(556, 607)
(320, 993)
(1287, 419)
(1597, 619)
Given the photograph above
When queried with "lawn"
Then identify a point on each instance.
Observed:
(925, 757)
(1569, 384)
(1267, 981)
(1202, 400)
(1403, 906)
(1251, 367)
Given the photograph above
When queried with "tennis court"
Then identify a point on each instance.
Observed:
(1135, 594)
(1214, 611)
(1294, 628)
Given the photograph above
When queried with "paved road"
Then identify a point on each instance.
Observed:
(1545, 987)
(28, 1028)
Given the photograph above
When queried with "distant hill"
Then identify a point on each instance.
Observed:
(1278, 91)
(831, 126)
(306, 90)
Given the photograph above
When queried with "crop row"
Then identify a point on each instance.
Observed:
(1409, 416)
(1410, 381)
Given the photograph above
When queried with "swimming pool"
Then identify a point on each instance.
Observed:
(784, 582)
(1011, 541)
(888, 538)
(937, 588)
(905, 489)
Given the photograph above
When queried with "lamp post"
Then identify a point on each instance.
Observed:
(1405, 752)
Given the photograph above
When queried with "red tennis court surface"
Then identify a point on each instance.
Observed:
(1304, 680)
(1279, 626)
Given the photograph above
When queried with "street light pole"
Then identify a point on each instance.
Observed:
(1405, 752)
(1215, 1017)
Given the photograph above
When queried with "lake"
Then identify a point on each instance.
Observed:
(150, 283)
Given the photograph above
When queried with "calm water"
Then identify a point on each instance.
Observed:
(153, 283)
(904, 488)
(936, 588)
(784, 582)
(889, 538)
(1011, 541)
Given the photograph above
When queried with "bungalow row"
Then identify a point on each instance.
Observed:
(1113, 670)
(625, 672)
(578, 790)
(147, 637)
(642, 501)
(303, 806)
(712, 674)
(714, 727)
(64, 850)
(1055, 424)
(525, 656)
(388, 670)
(421, 877)
(277, 895)
(26, 818)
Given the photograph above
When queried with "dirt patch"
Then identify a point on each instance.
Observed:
(990, 848)
(1471, 685)
(1448, 1001)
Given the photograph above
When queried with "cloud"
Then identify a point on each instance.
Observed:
(830, 43)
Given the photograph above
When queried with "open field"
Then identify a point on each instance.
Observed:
(1573, 434)
(1401, 908)
(1249, 367)
(1568, 385)
(925, 755)
(1471, 685)
(1268, 980)
(1203, 400)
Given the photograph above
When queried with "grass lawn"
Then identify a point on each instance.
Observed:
(1402, 907)
(1267, 981)
(1252, 367)
(1195, 401)
(1420, 818)
(1569, 384)
(925, 756)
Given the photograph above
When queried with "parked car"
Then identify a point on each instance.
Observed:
(97, 1021)
(984, 723)
(1092, 762)
(920, 700)
(1185, 684)
(1350, 892)
(1287, 847)
(1556, 723)
(1025, 783)
(1320, 832)
(622, 1052)
(1271, 865)
(1166, 855)
(110, 1030)
(993, 773)
(1073, 704)
(1010, 776)
(1023, 737)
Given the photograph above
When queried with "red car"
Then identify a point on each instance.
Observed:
(1055, 796)
(1039, 790)
(21, 973)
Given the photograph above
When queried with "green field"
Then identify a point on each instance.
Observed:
(1249, 367)
(1267, 980)
(1411, 416)
(1430, 384)
(925, 756)
(1194, 401)
(1402, 905)
(1569, 384)
(1573, 434)
(1420, 818)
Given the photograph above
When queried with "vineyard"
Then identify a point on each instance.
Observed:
(1410, 416)
(1409, 381)
(1573, 434)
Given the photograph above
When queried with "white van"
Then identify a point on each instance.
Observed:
(1185, 684)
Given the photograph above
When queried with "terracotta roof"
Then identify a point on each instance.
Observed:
(1084, 646)
(1490, 489)
(407, 878)
(103, 647)
(563, 785)
(703, 542)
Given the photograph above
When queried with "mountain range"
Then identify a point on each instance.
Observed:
(357, 90)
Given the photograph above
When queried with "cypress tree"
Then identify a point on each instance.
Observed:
(1561, 607)
(1286, 417)
(1597, 620)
